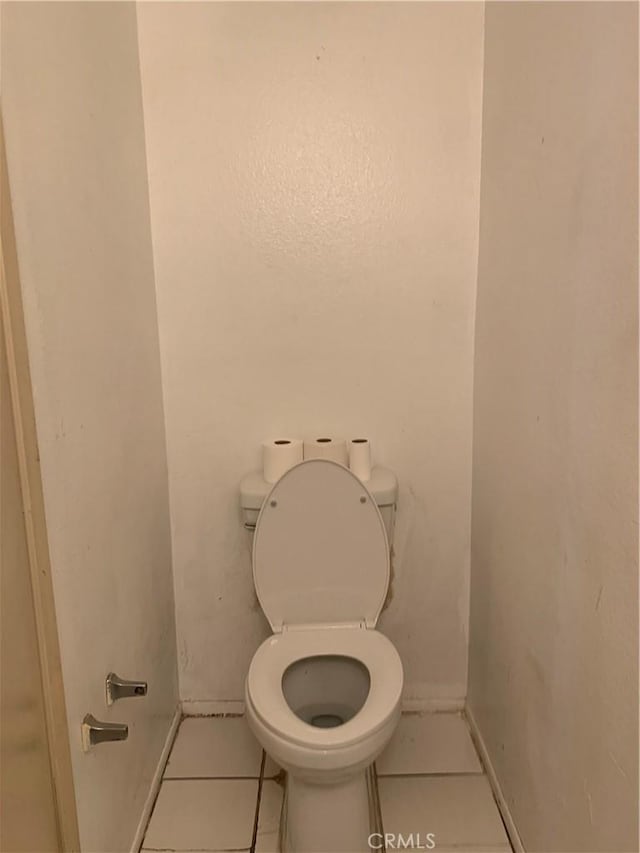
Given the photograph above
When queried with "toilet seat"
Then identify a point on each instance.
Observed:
(320, 549)
(264, 683)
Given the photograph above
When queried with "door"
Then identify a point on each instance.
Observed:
(27, 801)
(37, 802)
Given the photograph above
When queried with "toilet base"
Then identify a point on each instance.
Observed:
(335, 817)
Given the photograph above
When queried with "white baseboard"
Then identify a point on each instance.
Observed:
(156, 781)
(512, 831)
(431, 706)
(211, 707)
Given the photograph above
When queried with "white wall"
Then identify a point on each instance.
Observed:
(554, 601)
(314, 183)
(72, 111)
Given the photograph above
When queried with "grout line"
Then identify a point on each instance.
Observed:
(194, 850)
(254, 837)
(283, 813)
(212, 778)
(426, 775)
(378, 808)
(419, 775)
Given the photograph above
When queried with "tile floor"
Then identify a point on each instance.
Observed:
(220, 794)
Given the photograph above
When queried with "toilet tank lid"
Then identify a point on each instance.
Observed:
(383, 487)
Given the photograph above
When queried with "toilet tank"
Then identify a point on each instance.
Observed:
(383, 487)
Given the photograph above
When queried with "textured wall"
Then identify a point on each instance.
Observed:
(314, 181)
(72, 113)
(554, 599)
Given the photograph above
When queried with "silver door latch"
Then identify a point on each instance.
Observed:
(96, 731)
(120, 688)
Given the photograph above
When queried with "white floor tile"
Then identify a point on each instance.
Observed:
(429, 743)
(203, 814)
(267, 839)
(214, 747)
(459, 810)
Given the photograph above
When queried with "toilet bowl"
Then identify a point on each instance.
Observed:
(324, 702)
(322, 693)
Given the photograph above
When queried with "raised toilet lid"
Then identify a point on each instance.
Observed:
(320, 551)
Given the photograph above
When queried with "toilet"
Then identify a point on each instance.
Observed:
(322, 694)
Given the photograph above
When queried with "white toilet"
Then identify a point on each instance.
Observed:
(323, 692)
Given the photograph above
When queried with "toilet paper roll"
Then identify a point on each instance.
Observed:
(278, 455)
(360, 458)
(326, 448)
